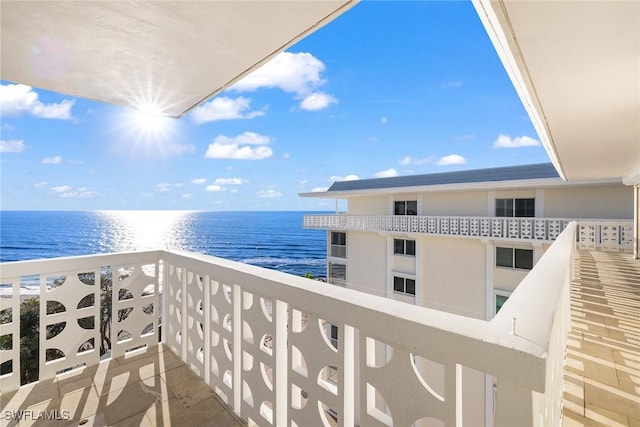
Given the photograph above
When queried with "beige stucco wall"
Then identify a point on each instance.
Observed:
(375, 205)
(519, 194)
(612, 201)
(468, 203)
(453, 275)
(507, 279)
(367, 262)
(403, 264)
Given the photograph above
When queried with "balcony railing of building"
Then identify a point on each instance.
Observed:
(259, 339)
(592, 234)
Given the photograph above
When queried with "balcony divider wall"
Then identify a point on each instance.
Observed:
(259, 338)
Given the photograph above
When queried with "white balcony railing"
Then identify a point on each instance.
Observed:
(604, 234)
(259, 337)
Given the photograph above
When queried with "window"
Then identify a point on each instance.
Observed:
(333, 335)
(337, 273)
(500, 300)
(409, 207)
(404, 285)
(404, 247)
(521, 259)
(516, 207)
(338, 244)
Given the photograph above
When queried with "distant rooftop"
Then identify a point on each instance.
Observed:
(509, 173)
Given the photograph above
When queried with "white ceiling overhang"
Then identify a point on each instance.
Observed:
(576, 67)
(152, 55)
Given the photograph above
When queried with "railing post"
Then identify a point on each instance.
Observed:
(348, 375)
(237, 348)
(206, 307)
(280, 353)
(183, 314)
(164, 299)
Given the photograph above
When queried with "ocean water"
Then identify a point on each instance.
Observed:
(273, 240)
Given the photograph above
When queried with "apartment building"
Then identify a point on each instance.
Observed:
(462, 241)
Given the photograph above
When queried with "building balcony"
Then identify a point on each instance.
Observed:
(591, 234)
(194, 335)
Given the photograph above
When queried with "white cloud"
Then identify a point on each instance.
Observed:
(297, 73)
(198, 181)
(12, 146)
(80, 192)
(317, 101)
(505, 141)
(76, 162)
(350, 177)
(240, 147)
(229, 181)
(286, 155)
(224, 108)
(319, 189)
(383, 120)
(186, 196)
(52, 160)
(61, 189)
(178, 185)
(303, 182)
(269, 194)
(387, 173)
(408, 160)
(214, 188)
(19, 99)
(40, 184)
(452, 159)
(292, 72)
(163, 187)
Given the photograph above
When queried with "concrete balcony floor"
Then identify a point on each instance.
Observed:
(602, 374)
(151, 389)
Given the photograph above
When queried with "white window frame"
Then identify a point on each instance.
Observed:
(513, 258)
(513, 206)
(405, 278)
(336, 246)
(404, 247)
(405, 207)
(334, 280)
(496, 294)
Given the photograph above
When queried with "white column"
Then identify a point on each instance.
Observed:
(491, 203)
(420, 278)
(538, 251)
(539, 208)
(390, 210)
(490, 251)
(389, 259)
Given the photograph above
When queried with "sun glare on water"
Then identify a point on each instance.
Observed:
(143, 230)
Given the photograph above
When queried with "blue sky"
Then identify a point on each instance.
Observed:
(389, 88)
